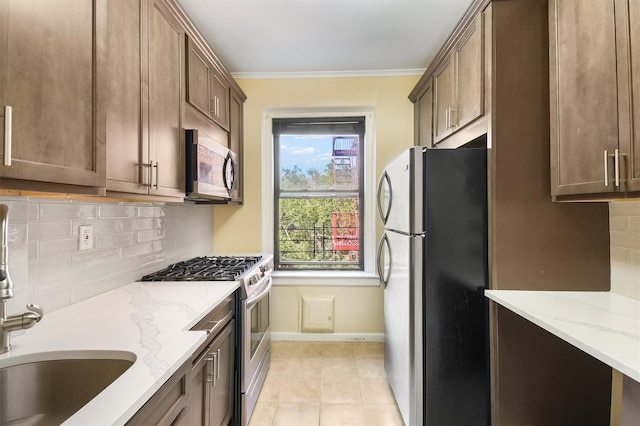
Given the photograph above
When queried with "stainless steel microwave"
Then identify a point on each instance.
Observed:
(210, 170)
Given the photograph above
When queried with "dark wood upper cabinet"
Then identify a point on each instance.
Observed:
(144, 120)
(199, 71)
(458, 84)
(443, 99)
(52, 94)
(126, 154)
(423, 120)
(207, 89)
(628, 20)
(595, 94)
(166, 136)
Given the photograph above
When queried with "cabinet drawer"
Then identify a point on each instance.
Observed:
(218, 318)
(214, 322)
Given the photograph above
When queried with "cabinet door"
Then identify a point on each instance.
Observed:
(199, 71)
(443, 99)
(166, 152)
(628, 28)
(127, 150)
(469, 76)
(423, 110)
(584, 108)
(52, 64)
(223, 350)
(236, 140)
(197, 389)
(220, 91)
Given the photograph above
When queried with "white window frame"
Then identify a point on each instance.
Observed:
(367, 277)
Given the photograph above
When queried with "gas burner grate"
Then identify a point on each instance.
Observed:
(206, 268)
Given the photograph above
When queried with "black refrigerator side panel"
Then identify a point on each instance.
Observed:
(456, 369)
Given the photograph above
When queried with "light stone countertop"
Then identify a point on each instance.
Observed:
(148, 322)
(603, 324)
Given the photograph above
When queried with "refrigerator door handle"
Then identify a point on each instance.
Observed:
(384, 213)
(379, 264)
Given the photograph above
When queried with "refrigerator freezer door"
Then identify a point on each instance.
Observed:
(400, 193)
(456, 312)
(403, 322)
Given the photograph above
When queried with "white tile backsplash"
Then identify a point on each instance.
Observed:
(130, 240)
(624, 222)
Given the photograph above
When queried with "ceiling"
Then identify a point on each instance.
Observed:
(263, 38)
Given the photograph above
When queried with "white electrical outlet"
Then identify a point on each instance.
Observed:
(85, 237)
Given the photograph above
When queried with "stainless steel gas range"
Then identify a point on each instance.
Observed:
(253, 272)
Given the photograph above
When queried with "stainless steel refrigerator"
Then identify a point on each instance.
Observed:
(433, 263)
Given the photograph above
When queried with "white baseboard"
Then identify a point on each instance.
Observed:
(328, 337)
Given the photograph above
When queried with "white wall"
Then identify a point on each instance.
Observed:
(624, 224)
(130, 240)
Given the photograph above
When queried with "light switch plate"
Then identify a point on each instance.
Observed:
(85, 237)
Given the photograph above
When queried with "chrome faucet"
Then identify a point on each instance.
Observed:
(13, 322)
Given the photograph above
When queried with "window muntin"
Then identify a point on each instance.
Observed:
(318, 193)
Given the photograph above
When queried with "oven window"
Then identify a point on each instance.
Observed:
(259, 323)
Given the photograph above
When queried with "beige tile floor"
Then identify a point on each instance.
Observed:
(328, 384)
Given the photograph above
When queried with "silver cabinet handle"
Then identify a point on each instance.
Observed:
(452, 117)
(214, 110)
(210, 375)
(446, 119)
(8, 119)
(157, 166)
(149, 166)
(606, 168)
(215, 368)
(616, 166)
(218, 366)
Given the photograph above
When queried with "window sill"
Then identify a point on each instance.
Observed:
(325, 278)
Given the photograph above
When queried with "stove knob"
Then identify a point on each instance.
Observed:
(254, 280)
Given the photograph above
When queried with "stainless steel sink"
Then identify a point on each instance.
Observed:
(49, 392)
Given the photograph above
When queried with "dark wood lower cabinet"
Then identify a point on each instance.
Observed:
(211, 383)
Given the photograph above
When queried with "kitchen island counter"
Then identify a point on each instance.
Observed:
(147, 322)
(603, 324)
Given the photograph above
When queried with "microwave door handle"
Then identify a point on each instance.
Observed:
(229, 184)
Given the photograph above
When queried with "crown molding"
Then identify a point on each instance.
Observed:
(330, 74)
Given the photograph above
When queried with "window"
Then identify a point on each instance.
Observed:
(318, 193)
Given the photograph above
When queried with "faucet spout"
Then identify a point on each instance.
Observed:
(20, 321)
(6, 285)
(16, 322)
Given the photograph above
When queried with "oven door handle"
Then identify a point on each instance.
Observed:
(262, 292)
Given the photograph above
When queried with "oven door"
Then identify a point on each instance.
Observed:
(256, 352)
(257, 330)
